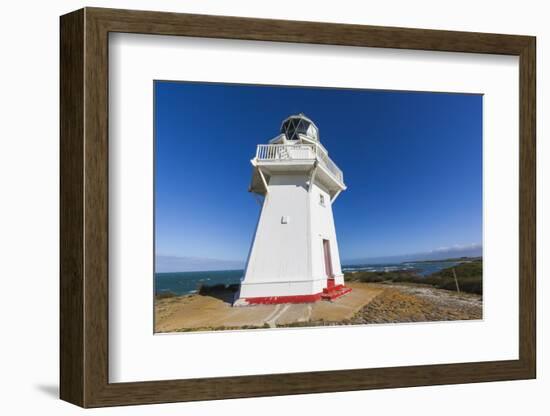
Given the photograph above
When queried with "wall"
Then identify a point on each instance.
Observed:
(322, 227)
(29, 206)
(278, 260)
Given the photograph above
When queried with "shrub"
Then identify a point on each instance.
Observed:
(217, 288)
(381, 276)
(468, 274)
(463, 270)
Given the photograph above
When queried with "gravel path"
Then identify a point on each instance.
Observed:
(418, 303)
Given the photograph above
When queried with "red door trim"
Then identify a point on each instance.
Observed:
(328, 264)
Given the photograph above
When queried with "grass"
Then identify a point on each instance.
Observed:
(221, 328)
(377, 277)
(468, 274)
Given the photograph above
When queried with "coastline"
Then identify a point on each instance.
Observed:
(368, 303)
(180, 283)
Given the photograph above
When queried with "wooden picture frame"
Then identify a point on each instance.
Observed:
(84, 207)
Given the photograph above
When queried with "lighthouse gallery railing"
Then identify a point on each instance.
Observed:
(282, 152)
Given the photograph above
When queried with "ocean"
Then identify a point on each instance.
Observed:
(183, 283)
(423, 268)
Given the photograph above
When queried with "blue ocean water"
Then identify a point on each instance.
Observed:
(422, 268)
(182, 283)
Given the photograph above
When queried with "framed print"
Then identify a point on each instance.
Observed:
(262, 207)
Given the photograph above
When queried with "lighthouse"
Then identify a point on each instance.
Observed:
(294, 254)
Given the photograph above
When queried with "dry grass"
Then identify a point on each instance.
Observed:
(415, 303)
(368, 303)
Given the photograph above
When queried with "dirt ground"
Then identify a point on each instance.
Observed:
(366, 304)
(419, 303)
(199, 312)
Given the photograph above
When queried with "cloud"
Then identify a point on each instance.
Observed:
(441, 253)
(458, 247)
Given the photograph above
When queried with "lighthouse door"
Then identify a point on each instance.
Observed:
(328, 264)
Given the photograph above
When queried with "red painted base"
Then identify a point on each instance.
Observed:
(335, 292)
(272, 300)
(327, 294)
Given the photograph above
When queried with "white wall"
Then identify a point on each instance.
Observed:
(288, 259)
(322, 228)
(280, 250)
(278, 263)
(29, 206)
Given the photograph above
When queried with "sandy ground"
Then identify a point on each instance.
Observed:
(368, 303)
(196, 312)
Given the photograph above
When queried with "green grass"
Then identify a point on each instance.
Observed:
(468, 274)
(376, 277)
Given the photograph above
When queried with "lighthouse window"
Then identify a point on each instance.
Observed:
(302, 127)
(322, 200)
(296, 126)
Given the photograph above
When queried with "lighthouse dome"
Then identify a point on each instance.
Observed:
(299, 124)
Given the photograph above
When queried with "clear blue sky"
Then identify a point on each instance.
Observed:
(412, 163)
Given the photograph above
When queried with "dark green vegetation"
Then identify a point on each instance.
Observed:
(220, 291)
(468, 274)
(204, 290)
(217, 288)
(377, 277)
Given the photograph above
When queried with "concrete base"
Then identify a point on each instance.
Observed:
(327, 294)
(274, 300)
(198, 312)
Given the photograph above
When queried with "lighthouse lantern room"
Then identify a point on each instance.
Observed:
(294, 255)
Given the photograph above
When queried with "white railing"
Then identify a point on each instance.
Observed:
(285, 152)
(330, 165)
(282, 152)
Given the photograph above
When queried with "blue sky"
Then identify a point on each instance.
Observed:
(412, 162)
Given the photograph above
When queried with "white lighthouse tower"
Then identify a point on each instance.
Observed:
(294, 255)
